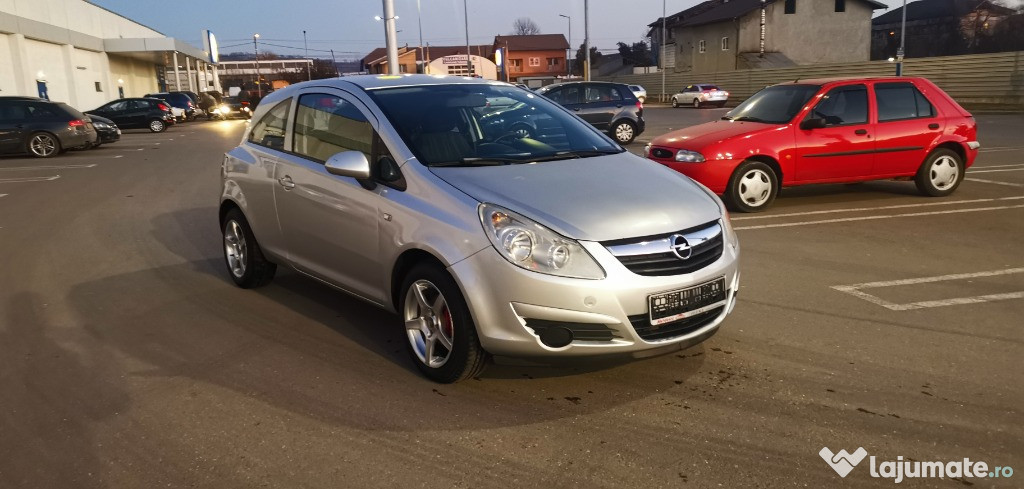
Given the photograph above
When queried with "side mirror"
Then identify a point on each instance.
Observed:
(813, 123)
(349, 164)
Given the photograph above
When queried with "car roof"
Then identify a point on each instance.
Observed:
(847, 79)
(21, 98)
(377, 82)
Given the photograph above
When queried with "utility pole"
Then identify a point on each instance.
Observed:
(568, 66)
(469, 61)
(419, 20)
(663, 21)
(390, 36)
(586, 39)
(256, 48)
(309, 65)
(903, 37)
(336, 72)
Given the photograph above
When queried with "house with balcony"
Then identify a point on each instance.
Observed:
(539, 55)
(726, 35)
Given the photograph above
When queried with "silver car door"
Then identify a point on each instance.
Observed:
(330, 223)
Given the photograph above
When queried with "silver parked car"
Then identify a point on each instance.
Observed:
(640, 92)
(699, 95)
(485, 240)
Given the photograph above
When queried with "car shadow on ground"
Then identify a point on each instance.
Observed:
(305, 347)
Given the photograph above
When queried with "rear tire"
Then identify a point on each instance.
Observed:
(157, 125)
(43, 145)
(940, 174)
(242, 254)
(624, 132)
(442, 338)
(752, 187)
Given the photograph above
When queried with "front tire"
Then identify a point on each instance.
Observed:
(624, 132)
(242, 254)
(44, 145)
(940, 174)
(752, 187)
(442, 338)
(696, 103)
(675, 103)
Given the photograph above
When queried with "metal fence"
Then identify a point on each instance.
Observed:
(976, 79)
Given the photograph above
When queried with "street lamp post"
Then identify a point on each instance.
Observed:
(256, 48)
(390, 36)
(309, 65)
(568, 66)
(586, 39)
(469, 60)
(903, 37)
(663, 21)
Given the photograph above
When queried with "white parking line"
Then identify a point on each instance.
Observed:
(855, 290)
(29, 179)
(1008, 184)
(994, 150)
(53, 167)
(982, 167)
(868, 218)
(993, 171)
(3, 195)
(863, 209)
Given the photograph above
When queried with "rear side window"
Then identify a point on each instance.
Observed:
(326, 125)
(270, 129)
(567, 95)
(117, 106)
(12, 112)
(41, 111)
(843, 105)
(900, 101)
(602, 93)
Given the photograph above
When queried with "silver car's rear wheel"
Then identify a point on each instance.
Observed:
(429, 324)
(43, 145)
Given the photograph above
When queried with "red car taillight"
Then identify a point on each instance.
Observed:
(190, 105)
(162, 107)
(245, 104)
(76, 123)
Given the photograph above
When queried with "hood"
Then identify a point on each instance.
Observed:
(703, 135)
(592, 199)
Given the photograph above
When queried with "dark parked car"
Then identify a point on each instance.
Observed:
(106, 130)
(179, 100)
(150, 113)
(232, 107)
(42, 128)
(610, 107)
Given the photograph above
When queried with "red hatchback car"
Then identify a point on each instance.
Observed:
(826, 131)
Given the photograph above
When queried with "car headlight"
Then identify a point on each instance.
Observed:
(687, 156)
(726, 222)
(534, 247)
(647, 149)
(100, 125)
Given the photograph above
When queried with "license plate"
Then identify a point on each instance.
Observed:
(680, 304)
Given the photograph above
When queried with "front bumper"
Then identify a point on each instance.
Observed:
(502, 307)
(108, 135)
(713, 174)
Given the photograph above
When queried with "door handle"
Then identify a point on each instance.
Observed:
(286, 182)
(860, 132)
(933, 126)
(576, 109)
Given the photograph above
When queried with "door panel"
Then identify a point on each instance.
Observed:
(600, 104)
(329, 223)
(906, 128)
(12, 127)
(844, 149)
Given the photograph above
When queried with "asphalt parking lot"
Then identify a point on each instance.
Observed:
(868, 317)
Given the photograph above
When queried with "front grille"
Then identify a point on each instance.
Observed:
(706, 241)
(643, 327)
(661, 153)
(580, 331)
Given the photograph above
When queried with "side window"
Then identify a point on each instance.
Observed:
(41, 111)
(601, 93)
(689, 88)
(117, 106)
(12, 112)
(269, 131)
(898, 101)
(843, 106)
(326, 125)
(567, 95)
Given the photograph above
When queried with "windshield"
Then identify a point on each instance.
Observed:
(478, 124)
(773, 105)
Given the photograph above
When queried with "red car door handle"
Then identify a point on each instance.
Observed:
(860, 132)
(933, 126)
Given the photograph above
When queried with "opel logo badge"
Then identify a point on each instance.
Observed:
(680, 246)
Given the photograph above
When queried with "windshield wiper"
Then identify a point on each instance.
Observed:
(478, 162)
(567, 155)
(741, 118)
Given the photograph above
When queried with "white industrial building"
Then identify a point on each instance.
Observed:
(76, 52)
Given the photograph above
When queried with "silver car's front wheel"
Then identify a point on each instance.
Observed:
(242, 254)
(441, 335)
(428, 324)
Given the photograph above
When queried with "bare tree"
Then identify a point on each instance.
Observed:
(524, 26)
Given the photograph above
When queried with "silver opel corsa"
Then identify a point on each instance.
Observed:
(493, 221)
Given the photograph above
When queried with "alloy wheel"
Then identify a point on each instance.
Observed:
(944, 172)
(156, 126)
(428, 323)
(43, 145)
(235, 248)
(624, 132)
